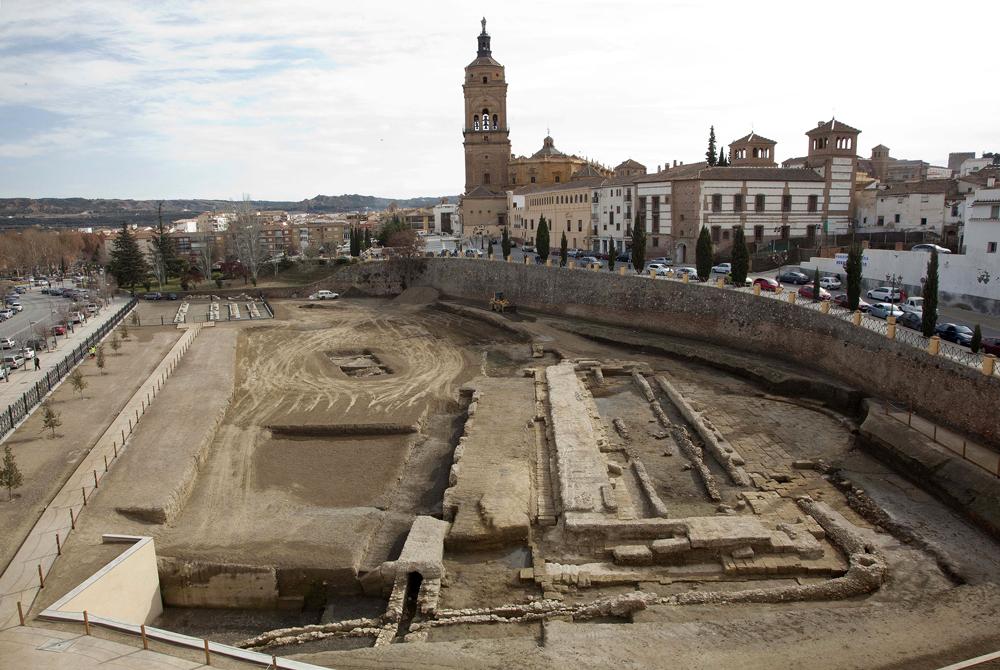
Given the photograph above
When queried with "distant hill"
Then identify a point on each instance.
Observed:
(101, 212)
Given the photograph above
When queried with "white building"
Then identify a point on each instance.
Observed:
(981, 233)
(932, 205)
(446, 219)
(973, 165)
(611, 214)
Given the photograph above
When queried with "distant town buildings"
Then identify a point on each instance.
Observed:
(829, 191)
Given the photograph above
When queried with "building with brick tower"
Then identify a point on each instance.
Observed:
(833, 153)
(486, 139)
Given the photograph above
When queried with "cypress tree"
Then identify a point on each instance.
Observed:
(612, 253)
(542, 239)
(128, 264)
(710, 155)
(563, 251)
(368, 239)
(930, 297)
(816, 286)
(639, 245)
(723, 161)
(703, 254)
(853, 269)
(741, 257)
(977, 339)
(505, 243)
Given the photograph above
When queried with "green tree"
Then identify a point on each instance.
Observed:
(128, 264)
(77, 380)
(930, 296)
(368, 239)
(639, 245)
(612, 253)
(10, 476)
(977, 339)
(167, 261)
(723, 161)
(710, 155)
(505, 243)
(395, 225)
(703, 254)
(542, 239)
(741, 257)
(50, 418)
(563, 251)
(816, 286)
(100, 358)
(853, 269)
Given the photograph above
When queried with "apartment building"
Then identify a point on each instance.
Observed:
(566, 207)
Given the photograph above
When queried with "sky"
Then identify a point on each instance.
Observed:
(286, 100)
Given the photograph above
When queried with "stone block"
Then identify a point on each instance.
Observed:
(632, 554)
(743, 552)
(671, 545)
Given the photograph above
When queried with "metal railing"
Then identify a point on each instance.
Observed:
(978, 455)
(20, 408)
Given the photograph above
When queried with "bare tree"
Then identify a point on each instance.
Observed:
(247, 236)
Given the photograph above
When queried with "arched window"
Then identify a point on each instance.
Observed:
(495, 124)
(485, 79)
(475, 123)
(486, 119)
(486, 177)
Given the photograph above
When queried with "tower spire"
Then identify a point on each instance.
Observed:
(484, 42)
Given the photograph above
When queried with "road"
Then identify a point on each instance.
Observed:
(39, 308)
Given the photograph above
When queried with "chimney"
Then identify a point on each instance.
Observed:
(675, 162)
(658, 170)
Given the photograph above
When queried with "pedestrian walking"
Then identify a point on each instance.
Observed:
(38, 365)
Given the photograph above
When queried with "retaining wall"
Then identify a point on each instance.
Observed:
(947, 392)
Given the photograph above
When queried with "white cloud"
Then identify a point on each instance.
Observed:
(286, 100)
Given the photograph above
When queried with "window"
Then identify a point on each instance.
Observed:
(716, 234)
(758, 202)
(991, 247)
(881, 221)
(813, 203)
(725, 234)
(656, 242)
(738, 202)
(569, 225)
(485, 80)
(579, 225)
(954, 210)
(486, 177)
(758, 233)
(896, 218)
(557, 178)
(786, 203)
(495, 126)
(656, 204)
(923, 221)
(532, 179)
(716, 202)
(995, 212)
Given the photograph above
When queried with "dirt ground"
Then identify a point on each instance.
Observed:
(47, 462)
(336, 501)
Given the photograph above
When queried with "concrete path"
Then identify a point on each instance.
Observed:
(21, 579)
(24, 378)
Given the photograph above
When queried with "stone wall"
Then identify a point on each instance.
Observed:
(947, 392)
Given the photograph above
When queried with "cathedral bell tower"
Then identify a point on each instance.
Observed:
(485, 133)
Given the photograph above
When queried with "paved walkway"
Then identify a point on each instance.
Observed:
(20, 581)
(23, 379)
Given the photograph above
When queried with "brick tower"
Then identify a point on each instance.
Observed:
(485, 133)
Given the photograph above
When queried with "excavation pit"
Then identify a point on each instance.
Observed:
(359, 364)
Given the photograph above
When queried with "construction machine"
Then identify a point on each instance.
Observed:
(499, 303)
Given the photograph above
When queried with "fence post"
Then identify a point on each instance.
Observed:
(989, 363)
(857, 317)
(824, 307)
(934, 345)
(890, 330)
(791, 298)
(756, 289)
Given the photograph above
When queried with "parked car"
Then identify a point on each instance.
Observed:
(473, 253)
(887, 293)
(722, 268)
(913, 305)
(27, 352)
(991, 345)
(624, 257)
(830, 283)
(529, 249)
(12, 359)
(6, 313)
(171, 296)
(587, 260)
(912, 320)
(664, 272)
(807, 293)
(3, 373)
(767, 284)
(662, 260)
(930, 247)
(954, 332)
(793, 277)
(37, 343)
(75, 317)
(59, 329)
(92, 308)
(691, 272)
(884, 310)
(7, 343)
(153, 296)
(324, 295)
(656, 267)
(841, 301)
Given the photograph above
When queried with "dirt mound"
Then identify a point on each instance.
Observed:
(417, 295)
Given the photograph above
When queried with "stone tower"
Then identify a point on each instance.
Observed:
(485, 132)
(752, 150)
(833, 147)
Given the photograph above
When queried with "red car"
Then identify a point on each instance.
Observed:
(58, 330)
(807, 293)
(841, 301)
(991, 345)
(766, 284)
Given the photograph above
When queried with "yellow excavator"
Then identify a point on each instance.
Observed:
(499, 303)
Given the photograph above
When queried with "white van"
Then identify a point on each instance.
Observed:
(915, 305)
(324, 295)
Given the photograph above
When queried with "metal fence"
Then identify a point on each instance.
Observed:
(19, 409)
